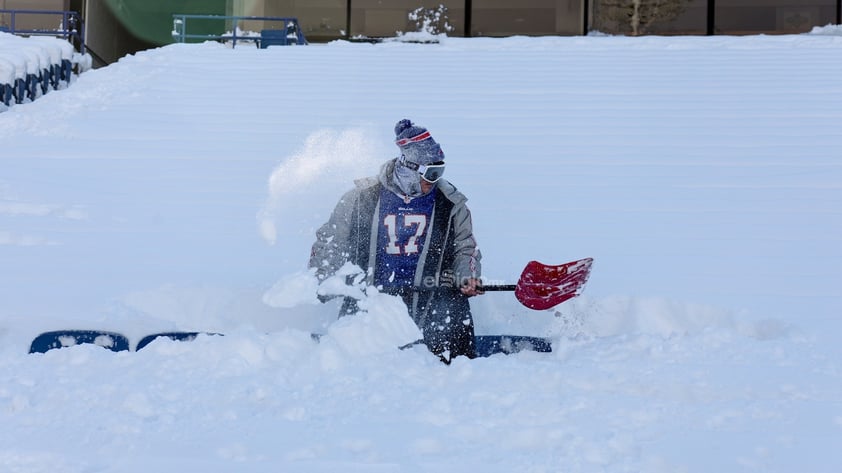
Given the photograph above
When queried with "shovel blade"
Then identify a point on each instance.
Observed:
(542, 286)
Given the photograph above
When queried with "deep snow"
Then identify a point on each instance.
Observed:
(180, 188)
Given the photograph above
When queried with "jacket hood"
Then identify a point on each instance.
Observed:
(384, 177)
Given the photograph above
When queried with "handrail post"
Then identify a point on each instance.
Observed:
(82, 32)
(178, 28)
(234, 24)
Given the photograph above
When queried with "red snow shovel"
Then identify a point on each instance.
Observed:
(543, 286)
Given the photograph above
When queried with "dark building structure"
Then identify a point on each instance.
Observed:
(117, 27)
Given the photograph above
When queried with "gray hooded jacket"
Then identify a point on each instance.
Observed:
(351, 233)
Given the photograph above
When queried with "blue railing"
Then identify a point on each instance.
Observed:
(72, 27)
(287, 31)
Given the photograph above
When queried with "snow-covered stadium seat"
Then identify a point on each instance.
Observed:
(65, 58)
(59, 51)
(7, 81)
(34, 57)
(17, 63)
(31, 67)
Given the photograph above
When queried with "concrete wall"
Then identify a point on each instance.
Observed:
(107, 39)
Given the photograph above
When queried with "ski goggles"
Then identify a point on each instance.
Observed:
(429, 172)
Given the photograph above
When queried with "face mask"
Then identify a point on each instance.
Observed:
(408, 181)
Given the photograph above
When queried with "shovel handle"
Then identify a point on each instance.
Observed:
(501, 287)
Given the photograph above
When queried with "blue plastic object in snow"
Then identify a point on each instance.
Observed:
(67, 338)
(487, 345)
(177, 336)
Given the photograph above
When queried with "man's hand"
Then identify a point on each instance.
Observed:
(472, 287)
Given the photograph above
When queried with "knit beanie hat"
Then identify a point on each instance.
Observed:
(418, 146)
(416, 143)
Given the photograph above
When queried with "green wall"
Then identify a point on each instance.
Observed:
(151, 20)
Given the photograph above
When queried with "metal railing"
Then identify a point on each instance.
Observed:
(288, 25)
(72, 27)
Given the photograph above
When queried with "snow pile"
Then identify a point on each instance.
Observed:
(381, 325)
(829, 30)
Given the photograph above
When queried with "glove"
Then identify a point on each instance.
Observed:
(447, 278)
(472, 287)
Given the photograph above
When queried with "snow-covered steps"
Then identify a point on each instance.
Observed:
(31, 67)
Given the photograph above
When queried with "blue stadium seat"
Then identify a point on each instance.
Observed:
(19, 90)
(176, 336)
(55, 76)
(65, 338)
(7, 81)
(32, 86)
(45, 80)
(66, 70)
(487, 345)
(6, 94)
(273, 38)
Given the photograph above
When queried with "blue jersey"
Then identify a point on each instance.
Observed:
(402, 231)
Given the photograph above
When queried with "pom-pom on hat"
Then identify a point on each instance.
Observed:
(416, 143)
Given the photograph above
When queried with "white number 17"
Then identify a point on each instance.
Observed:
(411, 247)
